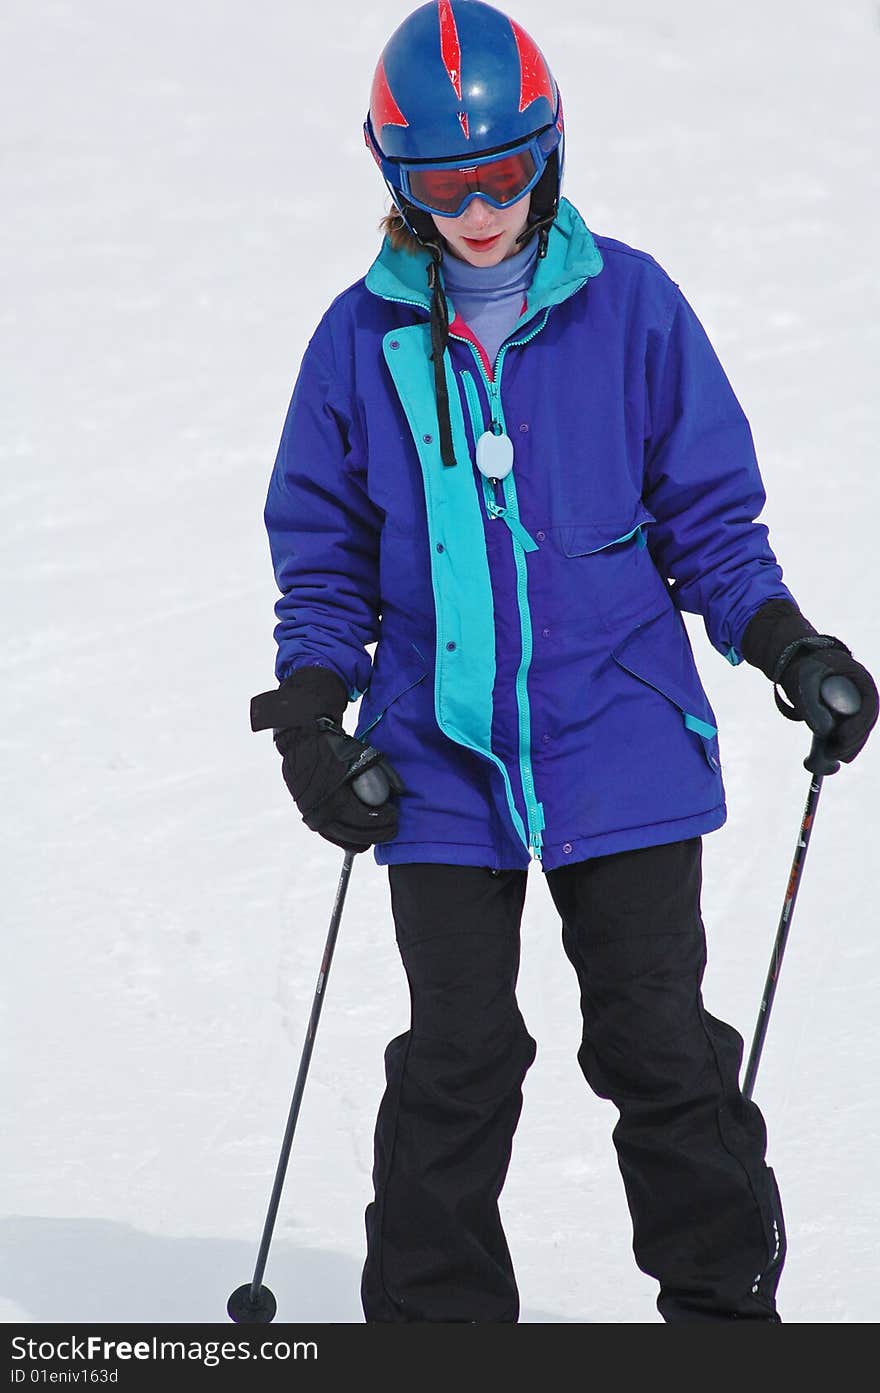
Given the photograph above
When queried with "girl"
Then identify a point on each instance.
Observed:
(511, 460)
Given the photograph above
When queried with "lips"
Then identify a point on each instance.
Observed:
(483, 244)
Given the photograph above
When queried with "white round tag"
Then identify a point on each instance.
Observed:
(494, 455)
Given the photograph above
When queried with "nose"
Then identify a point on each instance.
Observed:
(477, 214)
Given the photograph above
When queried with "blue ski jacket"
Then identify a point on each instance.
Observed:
(532, 681)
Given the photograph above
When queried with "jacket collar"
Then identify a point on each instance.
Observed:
(572, 257)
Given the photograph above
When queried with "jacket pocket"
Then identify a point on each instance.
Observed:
(609, 567)
(588, 538)
(658, 653)
(396, 670)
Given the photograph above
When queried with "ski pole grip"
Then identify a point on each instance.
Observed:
(372, 787)
(842, 699)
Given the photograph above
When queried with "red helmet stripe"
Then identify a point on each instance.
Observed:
(450, 47)
(384, 110)
(534, 78)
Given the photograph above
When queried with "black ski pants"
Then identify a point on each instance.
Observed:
(707, 1222)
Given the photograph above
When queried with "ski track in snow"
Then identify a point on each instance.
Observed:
(173, 235)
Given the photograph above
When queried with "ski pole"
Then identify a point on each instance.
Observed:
(842, 697)
(253, 1302)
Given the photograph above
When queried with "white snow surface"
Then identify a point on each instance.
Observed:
(186, 189)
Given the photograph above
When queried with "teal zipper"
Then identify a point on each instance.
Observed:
(510, 513)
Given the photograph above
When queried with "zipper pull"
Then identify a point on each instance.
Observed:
(516, 528)
(536, 841)
(520, 533)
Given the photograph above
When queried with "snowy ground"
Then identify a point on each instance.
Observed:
(185, 190)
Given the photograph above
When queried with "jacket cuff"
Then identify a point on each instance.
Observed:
(306, 694)
(776, 627)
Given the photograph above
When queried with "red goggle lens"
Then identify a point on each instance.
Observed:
(444, 190)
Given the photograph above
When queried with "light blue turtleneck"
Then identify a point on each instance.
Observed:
(489, 298)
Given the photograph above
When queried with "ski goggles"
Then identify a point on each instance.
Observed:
(447, 187)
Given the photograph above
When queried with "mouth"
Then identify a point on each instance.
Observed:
(482, 244)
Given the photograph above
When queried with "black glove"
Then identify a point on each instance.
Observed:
(780, 641)
(320, 762)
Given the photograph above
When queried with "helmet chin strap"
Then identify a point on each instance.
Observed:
(540, 225)
(423, 229)
(439, 339)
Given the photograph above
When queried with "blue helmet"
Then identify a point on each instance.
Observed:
(460, 83)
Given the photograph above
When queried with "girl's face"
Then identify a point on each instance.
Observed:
(483, 235)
